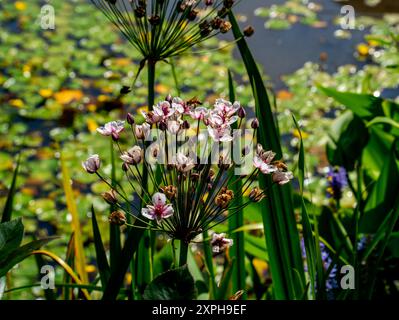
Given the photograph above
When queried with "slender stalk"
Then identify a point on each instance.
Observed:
(183, 253)
(144, 273)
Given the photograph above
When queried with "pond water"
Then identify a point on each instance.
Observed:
(283, 52)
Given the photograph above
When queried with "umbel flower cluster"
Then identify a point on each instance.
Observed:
(193, 180)
(161, 29)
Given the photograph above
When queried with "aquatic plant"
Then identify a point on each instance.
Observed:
(188, 165)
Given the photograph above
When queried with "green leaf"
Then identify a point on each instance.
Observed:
(382, 197)
(11, 234)
(176, 284)
(348, 137)
(21, 254)
(383, 120)
(365, 106)
(101, 257)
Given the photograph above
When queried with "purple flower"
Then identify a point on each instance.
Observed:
(113, 128)
(336, 181)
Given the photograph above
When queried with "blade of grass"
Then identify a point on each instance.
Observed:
(69, 260)
(72, 208)
(7, 211)
(311, 242)
(381, 250)
(209, 265)
(65, 266)
(225, 282)
(102, 262)
(281, 231)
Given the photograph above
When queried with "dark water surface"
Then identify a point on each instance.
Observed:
(284, 51)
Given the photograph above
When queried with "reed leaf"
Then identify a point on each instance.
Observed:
(7, 211)
(80, 261)
(102, 262)
(281, 231)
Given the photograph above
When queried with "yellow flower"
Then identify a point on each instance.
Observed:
(102, 98)
(46, 93)
(91, 125)
(91, 107)
(142, 109)
(363, 49)
(67, 96)
(296, 134)
(17, 103)
(162, 89)
(90, 268)
(19, 5)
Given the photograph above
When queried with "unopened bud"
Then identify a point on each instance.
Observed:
(241, 112)
(249, 31)
(255, 123)
(110, 197)
(130, 119)
(117, 218)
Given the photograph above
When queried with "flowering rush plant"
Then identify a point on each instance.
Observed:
(160, 29)
(193, 156)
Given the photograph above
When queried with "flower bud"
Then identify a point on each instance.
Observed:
(110, 197)
(117, 218)
(154, 20)
(169, 98)
(92, 164)
(249, 31)
(256, 195)
(130, 119)
(225, 27)
(255, 123)
(192, 15)
(125, 167)
(186, 124)
(241, 112)
(170, 192)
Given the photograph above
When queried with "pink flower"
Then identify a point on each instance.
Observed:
(220, 133)
(263, 160)
(113, 128)
(174, 127)
(132, 156)
(281, 177)
(142, 131)
(92, 164)
(226, 108)
(183, 163)
(199, 113)
(220, 243)
(159, 209)
(180, 106)
(163, 110)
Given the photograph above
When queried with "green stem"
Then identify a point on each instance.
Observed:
(183, 253)
(144, 256)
